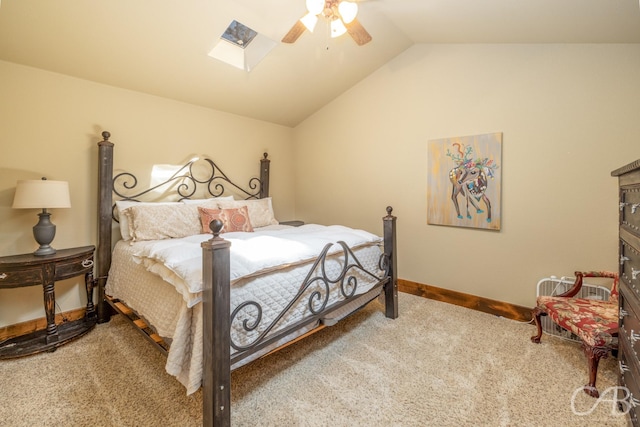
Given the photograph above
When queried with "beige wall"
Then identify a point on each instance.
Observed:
(49, 126)
(569, 115)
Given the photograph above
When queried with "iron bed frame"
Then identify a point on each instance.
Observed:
(217, 343)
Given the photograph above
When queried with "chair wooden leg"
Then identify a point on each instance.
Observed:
(594, 354)
(536, 313)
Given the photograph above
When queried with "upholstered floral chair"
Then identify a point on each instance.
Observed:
(595, 322)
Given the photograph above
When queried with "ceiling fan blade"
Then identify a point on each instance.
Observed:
(358, 33)
(295, 32)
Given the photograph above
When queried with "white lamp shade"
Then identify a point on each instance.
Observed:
(309, 20)
(348, 11)
(337, 28)
(315, 7)
(41, 194)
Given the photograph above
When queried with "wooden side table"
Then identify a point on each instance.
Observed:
(29, 270)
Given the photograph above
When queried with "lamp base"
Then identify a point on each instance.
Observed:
(45, 250)
(44, 232)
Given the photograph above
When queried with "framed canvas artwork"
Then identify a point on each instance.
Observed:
(464, 181)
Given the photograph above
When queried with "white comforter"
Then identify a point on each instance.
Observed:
(179, 261)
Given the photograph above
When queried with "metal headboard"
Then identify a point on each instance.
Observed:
(185, 183)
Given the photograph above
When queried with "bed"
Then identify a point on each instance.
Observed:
(216, 282)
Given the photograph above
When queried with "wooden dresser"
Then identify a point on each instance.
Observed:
(629, 334)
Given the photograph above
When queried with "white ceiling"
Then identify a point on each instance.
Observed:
(160, 46)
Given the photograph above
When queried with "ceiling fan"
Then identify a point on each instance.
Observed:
(341, 16)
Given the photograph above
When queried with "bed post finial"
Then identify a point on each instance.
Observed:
(216, 228)
(106, 135)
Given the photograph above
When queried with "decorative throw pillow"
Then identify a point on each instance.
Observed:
(260, 210)
(160, 221)
(234, 219)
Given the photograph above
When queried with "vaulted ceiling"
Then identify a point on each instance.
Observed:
(160, 46)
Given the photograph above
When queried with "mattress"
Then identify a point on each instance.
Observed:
(175, 312)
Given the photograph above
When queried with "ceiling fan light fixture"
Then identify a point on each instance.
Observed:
(338, 15)
(348, 11)
(309, 20)
(315, 7)
(337, 28)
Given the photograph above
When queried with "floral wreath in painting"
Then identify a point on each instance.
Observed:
(469, 179)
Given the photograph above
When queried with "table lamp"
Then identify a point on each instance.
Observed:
(42, 194)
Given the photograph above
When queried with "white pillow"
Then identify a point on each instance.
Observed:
(121, 205)
(260, 210)
(162, 221)
(203, 201)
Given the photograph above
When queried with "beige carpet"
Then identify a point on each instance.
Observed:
(436, 365)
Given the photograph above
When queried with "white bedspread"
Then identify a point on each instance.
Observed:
(267, 266)
(179, 261)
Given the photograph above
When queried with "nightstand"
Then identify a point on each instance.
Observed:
(29, 270)
(294, 223)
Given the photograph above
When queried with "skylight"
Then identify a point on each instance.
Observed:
(239, 34)
(241, 46)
